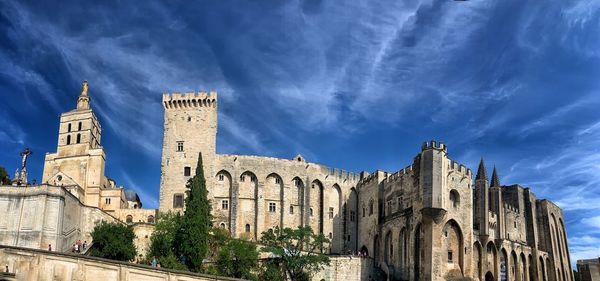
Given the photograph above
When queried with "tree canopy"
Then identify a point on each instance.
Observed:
(298, 252)
(163, 243)
(196, 223)
(238, 259)
(113, 241)
(4, 177)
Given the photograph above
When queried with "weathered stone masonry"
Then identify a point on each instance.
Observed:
(428, 221)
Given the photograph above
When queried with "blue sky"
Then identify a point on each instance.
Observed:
(351, 84)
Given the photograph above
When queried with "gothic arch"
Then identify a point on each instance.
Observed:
(477, 261)
(222, 195)
(332, 219)
(316, 203)
(514, 266)
(295, 212)
(522, 267)
(505, 264)
(453, 243)
(352, 219)
(389, 248)
(247, 207)
(272, 197)
(491, 258)
(403, 250)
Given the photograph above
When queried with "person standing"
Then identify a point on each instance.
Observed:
(49, 249)
(154, 262)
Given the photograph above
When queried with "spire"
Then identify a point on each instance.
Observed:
(481, 174)
(83, 102)
(495, 180)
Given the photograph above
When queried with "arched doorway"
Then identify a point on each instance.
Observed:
(489, 276)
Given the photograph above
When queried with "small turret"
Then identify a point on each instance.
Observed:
(495, 180)
(83, 102)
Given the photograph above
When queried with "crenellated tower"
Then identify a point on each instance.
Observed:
(190, 128)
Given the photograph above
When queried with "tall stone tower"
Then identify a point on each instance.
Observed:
(190, 128)
(79, 161)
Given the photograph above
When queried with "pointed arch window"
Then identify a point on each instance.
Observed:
(247, 227)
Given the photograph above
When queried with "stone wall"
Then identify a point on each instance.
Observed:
(30, 265)
(36, 216)
(346, 268)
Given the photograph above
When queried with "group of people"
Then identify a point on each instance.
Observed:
(78, 247)
(360, 254)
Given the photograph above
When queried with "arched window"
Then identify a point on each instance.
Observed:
(69, 127)
(454, 198)
(222, 225)
(291, 209)
(69, 138)
(79, 127)
(311, 212)
(247, 228)
(150, 219)
(78, 138)
(129, 219)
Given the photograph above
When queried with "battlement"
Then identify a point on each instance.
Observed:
(434, 145)
(460, 168)
(190, 100)
(343, 175)
(398, 175)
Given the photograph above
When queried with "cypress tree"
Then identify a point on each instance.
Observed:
(196, 223)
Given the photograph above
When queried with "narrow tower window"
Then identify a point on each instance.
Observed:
(79, 127)
(78, 138)
(292, 210)
(179, 146)
(69, 138)
(247, 228)
(69, 127)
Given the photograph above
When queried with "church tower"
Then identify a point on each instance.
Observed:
(79, 160)
(190, 128)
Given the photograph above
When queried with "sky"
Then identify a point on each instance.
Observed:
(356, 85)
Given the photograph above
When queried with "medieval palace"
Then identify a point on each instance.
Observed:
(431, 220)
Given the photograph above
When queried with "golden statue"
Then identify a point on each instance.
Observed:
(84, 88)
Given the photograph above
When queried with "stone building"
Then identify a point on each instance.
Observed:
(428, 221)
(589, 270)
(74, 194)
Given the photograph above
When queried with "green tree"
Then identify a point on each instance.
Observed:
(163, 243)
(4, 177)
(238, 259)
(194, 231)
(113, 241)
(296, 251)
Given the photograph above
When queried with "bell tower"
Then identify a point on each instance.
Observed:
(79, 160)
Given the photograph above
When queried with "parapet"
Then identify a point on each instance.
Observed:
(460, 168)
(190, 100)
(434, 145)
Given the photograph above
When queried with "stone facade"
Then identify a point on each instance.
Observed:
(589, 270)
(428, 221)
